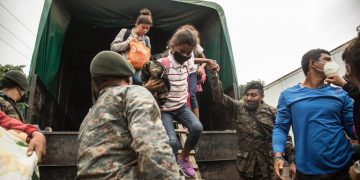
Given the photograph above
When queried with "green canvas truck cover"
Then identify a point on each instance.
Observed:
(72, 32)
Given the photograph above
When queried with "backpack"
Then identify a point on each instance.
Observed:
(139, 53)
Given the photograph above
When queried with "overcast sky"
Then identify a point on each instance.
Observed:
(268, 37)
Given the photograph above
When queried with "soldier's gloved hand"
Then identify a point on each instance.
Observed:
(153, 84)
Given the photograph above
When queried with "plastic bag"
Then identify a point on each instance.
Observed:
(14, 163)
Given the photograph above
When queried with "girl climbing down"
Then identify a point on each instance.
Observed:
(181, 46)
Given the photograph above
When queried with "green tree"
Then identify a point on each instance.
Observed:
(242, 87)
(7, 67)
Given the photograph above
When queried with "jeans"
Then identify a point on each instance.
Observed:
(187, 118)
(136, 77)
(193, 90)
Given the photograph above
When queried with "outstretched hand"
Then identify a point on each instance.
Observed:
(37, 144)
(213, 67)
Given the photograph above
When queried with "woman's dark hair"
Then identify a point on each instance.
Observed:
(351, 56)
(313, 54)
(144, 17)
(7, 83)
(182, 36)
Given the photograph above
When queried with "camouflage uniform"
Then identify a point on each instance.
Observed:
(251, 156)
(122, 137)
(8, 108)
(155, 70)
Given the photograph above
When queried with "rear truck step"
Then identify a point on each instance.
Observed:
(215, 155)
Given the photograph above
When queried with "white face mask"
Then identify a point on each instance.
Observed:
(331, 68)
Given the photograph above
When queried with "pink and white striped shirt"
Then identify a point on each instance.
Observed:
(178, 77)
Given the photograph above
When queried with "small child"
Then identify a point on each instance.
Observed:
(197, 70)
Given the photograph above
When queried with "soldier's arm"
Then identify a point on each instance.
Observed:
(119, 44)
(150, 141)
(219, 96)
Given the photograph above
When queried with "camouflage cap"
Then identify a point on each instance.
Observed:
(18, 77)
(109, 63)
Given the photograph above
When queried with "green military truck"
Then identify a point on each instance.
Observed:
(72, 32)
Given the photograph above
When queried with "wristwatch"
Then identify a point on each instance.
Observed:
(357, 167)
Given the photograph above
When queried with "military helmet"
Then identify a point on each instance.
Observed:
(18, 77)
(109, 63)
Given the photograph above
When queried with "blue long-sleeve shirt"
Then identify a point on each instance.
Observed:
(319, 118)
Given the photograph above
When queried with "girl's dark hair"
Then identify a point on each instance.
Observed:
(351, 55)
(182, 36)
(7, 83)
(144, 17)
(194, 30)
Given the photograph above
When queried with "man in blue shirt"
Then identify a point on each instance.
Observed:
(321, 117)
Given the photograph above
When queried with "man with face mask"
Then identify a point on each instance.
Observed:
(13, 89)
(122, 136)
(254, 123)
(321, 118)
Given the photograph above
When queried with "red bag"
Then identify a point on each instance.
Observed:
(138, 54)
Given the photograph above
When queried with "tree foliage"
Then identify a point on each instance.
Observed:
(7, 67)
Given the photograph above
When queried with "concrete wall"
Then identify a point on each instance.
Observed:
(273, 90)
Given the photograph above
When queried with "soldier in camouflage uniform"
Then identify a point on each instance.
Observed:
(255, 157)
(122, 136)
(13, 89)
